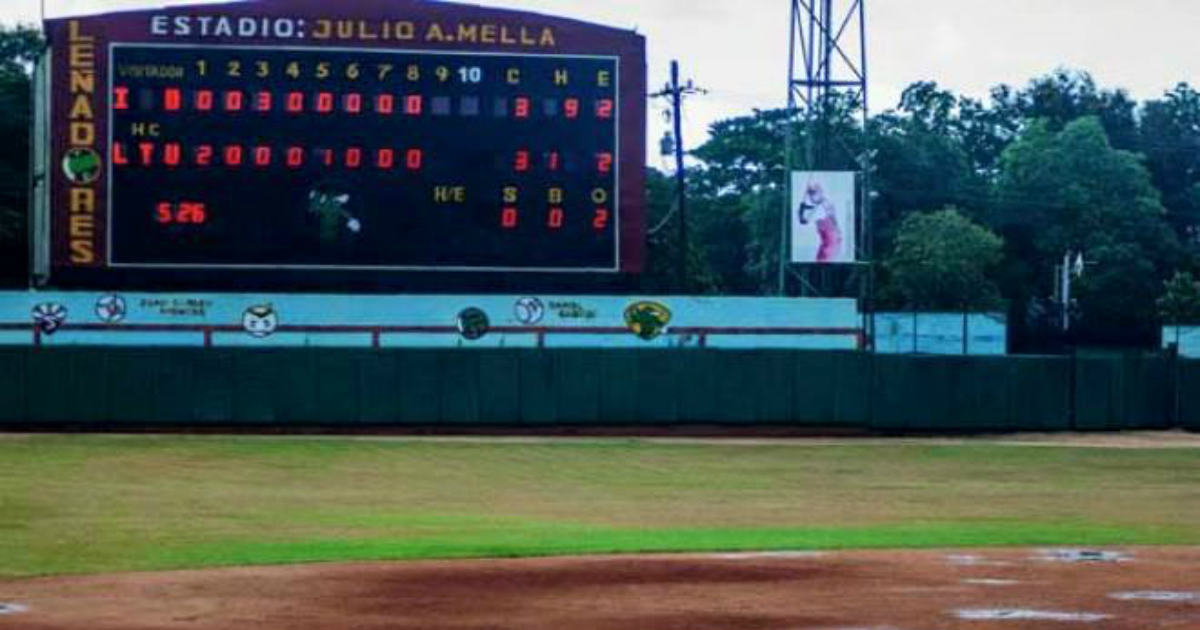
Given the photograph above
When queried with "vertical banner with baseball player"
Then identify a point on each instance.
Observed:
(824, 218)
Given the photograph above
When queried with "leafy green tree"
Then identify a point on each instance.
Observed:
(1065, 96)
(1170, 140)
(1181, 303)
(1071, 191)
(662, 272)
(19, 48)
(921, 160)
(942, 261)
(741, 184)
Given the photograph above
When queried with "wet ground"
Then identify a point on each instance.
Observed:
(1018, 589)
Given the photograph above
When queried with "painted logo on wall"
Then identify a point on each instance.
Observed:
(648, 320)
(111, 309)
(529, 311)
(473, 324)
(49, 317)
(260, 321)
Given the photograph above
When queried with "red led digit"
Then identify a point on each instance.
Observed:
(121, 98)
(354, 103)
(553, 160)
(353, 157)
(326, 157)
(233, 155)
(295, 102)
(192, 213)
(604, 108)
(234, 100)
(262, 156)
(521, 162)
(521, 108)
(164, 213)
(386, 159)
(557, 217)
(204, 100)
(295, 157)
(146, 151)
(413, 105)
(172, 154)
(324, 102)
(385, 104)
(604, 162)
(509, 218)
(571, 108)
(600, 222)
(204, 155)
(414, 159)
(172, 99)
(119, 157)
(264, 102)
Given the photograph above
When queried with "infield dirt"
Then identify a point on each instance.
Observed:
(834, 591)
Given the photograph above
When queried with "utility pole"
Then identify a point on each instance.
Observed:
(677, 92)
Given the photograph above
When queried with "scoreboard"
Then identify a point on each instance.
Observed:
(265, 140)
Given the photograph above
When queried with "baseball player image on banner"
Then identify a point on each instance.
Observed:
(824, 218)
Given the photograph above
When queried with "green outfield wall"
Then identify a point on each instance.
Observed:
(113, 389)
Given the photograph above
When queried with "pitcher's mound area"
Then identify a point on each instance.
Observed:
(1111, 589)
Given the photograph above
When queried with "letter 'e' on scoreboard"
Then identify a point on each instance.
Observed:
(264, 143)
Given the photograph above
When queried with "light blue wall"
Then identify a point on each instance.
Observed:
(568, 322)
(940, 334)
(1188, 338)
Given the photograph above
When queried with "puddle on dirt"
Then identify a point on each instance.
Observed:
(12, 609)
(1016, 614)
(987, 582)
(1083, 556)
(772, 555)
(964, 560)
(1156, 596)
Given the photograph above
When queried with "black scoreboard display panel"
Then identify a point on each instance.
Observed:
(365, 159)
(448, 140)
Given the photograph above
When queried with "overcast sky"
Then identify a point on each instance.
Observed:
(738, 48)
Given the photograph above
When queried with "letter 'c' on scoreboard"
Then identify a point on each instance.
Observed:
(381, 141)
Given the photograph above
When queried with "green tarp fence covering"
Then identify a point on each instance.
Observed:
(107, 388)
(1189, 395)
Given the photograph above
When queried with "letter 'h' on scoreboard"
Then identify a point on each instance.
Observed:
(378, 140)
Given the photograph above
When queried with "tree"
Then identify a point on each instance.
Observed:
(662, 270)
(19, 47)
(1071, 191)
(920, 160)
(941, 262)
(1181, 303)
(1170, 140)
(1066, 96)
(740, 187)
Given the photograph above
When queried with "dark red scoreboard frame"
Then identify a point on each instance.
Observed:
(80, 122)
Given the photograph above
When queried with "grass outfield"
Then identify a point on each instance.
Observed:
(93, 504)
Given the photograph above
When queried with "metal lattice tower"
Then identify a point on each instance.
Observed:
(827, 64)
(828, 52)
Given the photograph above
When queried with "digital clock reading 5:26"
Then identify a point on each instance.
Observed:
(316, 158)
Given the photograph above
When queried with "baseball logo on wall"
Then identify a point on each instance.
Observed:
(648, 320)
(111, 309)
(529, 311)
(49, 317)
(260, 321)
(473, 324)
(824, 218)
